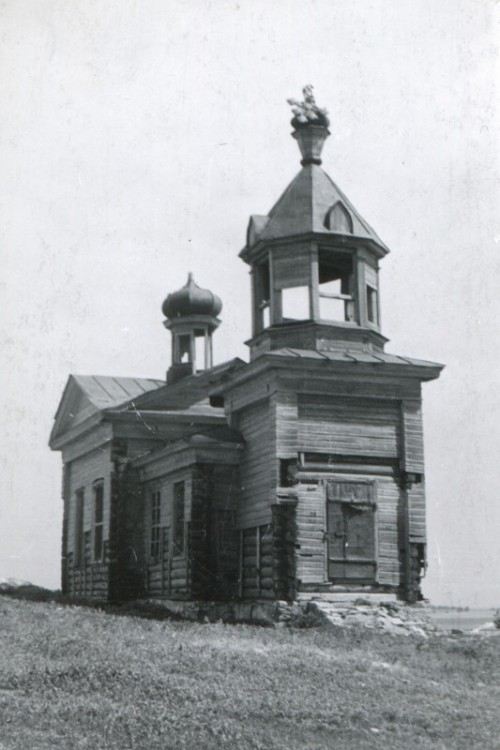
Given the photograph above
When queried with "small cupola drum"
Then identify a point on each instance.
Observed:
(191, 316)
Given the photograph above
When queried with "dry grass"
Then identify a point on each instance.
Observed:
(78, 678)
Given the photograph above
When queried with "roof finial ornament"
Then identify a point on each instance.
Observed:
(307, 112)
(310, 127)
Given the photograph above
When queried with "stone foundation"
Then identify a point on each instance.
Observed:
(388, 616)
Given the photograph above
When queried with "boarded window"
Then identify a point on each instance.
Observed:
(98, 520)
(154, 543)
(179, 519)
(79, 540)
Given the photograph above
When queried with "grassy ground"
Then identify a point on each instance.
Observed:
(78, 678)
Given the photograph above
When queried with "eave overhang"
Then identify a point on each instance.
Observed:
(76, 433)
(342, 364)
(254, 253)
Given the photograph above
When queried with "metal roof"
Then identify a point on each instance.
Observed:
(352, 355)
(303, 207)
(106, 391)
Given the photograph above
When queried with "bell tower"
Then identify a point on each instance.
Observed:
(191, 316)
(314, 260)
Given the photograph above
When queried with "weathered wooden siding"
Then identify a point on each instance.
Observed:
(84, 471)
(416, 512)
(284, 550)
(257, 467)
(90, 579)
(126, 554)
(286, 416)
(311, 528)
(413, 436)
(257, 562)
(170, 574)
(287, 274)
(349, 426)
(389, 532)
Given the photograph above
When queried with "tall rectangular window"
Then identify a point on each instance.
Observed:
(178, 519)
(154, 541)
(371, 304)
(79, 546)
(336, 284)
(98, 521)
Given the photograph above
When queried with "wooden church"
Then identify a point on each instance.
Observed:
(299, 472)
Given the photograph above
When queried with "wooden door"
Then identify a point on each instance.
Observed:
(350, 532)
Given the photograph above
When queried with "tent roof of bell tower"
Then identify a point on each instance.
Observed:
(304, 208)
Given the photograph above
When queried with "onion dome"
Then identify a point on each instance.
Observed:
(191, 300)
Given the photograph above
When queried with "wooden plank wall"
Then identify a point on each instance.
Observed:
(257, 559)
(257, 467)
(413, 462)
(413, 434)
(249, 578)
(91, 579)
(286, 419)
(349, 426)
(389, 530)
(169, 576)
(416, 512)
(225, 491)
(296, 274)
(311, 526)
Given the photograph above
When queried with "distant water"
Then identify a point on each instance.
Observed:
(468, 620)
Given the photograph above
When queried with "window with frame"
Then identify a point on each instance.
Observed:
(371, 304)
(154, 541)
(179, 519)
(98, 521)
(263, 289)
(79, 545)
(336, 284)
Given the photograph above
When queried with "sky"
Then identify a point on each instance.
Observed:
(137, 137)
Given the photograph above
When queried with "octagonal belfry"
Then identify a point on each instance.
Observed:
(314, 260)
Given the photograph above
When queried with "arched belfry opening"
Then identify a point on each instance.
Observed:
(191, 316)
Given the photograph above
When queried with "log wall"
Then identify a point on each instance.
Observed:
(257, 562)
